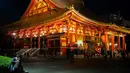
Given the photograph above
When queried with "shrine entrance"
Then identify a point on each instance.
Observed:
(54, 44)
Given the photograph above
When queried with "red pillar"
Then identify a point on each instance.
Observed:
(118, 42)
(123, 43)
(106, 41)
(112, 43)
(31, 39)
(39, 38)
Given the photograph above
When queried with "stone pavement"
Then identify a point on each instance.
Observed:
(80, 66)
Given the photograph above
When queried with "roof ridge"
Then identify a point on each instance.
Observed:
(49, 4)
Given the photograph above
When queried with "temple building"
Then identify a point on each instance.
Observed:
(56, 24)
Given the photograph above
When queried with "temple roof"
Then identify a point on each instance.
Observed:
(56, 10)
(68, 3)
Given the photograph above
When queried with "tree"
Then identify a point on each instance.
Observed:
(6, 41)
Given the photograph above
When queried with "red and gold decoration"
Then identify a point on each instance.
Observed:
(65, 26)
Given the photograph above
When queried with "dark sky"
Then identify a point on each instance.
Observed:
(12, 10)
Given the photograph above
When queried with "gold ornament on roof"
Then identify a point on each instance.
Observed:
(72, 7)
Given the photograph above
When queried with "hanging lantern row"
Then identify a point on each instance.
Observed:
(42, 33)
(28, 33)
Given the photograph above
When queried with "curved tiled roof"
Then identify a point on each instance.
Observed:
(58, 11)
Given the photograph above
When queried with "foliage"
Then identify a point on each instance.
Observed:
(5, 61)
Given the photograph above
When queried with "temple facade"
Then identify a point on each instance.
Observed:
(48, 24)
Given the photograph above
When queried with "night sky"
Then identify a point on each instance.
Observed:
(12, 10)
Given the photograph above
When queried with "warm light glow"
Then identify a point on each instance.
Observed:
(53, 30)
(71, 29)
(43, 34)
(63, 28)
(20, 36)
(110, 44)
(14, 34)
(80, 31)
(61, 53)
(40, 35)
(79, 42)
(39, 7)
(115, 44)
(109, 32)
(27, 35)
(35, 35)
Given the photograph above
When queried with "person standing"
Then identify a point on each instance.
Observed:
(13, 67)
(71, 56)
(68, 52)
(85, 53)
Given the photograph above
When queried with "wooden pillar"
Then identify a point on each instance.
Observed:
(123, 43)
(118, 42)
(68, 27)
(99, 37)
(112, 44)
(38, 38)
(83, 36)
(24, 38)
(31, 39)
(48, 44)
(76, 33)
(106, 41)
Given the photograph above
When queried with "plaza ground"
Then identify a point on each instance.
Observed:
(80, 66)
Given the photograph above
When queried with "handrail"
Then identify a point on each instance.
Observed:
(37, 49)
(26, 51)
(32, 50)
(19, 51)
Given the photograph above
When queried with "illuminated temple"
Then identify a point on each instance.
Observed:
(55, 25)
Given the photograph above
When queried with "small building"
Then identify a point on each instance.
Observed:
(46, 22)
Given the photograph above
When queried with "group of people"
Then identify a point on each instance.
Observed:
(117, 54)
(70, 52)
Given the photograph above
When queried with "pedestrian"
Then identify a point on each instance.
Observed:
(85, 53)
(123, 54)
(71, 56)
(20, 66)
(28, 55)
(13, 67)
(68, 52)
